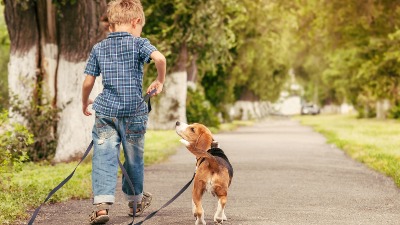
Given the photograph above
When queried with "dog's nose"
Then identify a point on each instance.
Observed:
(178, 123)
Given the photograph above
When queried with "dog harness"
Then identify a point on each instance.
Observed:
(217, 152)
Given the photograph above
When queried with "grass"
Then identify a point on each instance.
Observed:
(370, 141)
(159, 145)
(28, 188)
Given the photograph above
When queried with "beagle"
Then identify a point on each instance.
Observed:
(213, 170)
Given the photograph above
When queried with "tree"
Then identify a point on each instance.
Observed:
(195, 36)
(50, 42)
(258, 68)
(347, 49)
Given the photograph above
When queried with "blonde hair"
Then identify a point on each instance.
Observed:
(124, 11)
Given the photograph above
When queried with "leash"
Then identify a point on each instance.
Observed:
(168, 203)
(59, 186)
(34, 215)
(198, 163)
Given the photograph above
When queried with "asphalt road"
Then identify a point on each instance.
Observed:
(284, 173)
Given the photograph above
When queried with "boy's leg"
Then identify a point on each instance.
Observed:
(133, 143)
(104, 163)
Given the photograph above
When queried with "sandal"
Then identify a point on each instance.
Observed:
(140, 207)
(99, 219)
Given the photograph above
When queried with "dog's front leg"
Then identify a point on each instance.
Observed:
(197, 194)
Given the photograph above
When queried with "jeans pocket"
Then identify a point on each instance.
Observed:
(105, 127)
(135, 129)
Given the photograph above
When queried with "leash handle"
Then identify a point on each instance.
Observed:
(147, 97)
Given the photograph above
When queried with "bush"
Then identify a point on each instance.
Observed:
(15, 140)
(394, 112)
(199, 110)
(41, 120)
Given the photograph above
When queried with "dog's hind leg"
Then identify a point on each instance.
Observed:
(220, 216)
(221, 193)
(198, 211)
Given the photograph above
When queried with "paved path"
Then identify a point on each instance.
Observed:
(284, 174)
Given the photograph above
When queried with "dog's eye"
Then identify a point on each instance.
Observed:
(192, 129)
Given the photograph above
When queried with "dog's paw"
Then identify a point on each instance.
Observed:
(186, 143)
(224, 217)
(218, 220)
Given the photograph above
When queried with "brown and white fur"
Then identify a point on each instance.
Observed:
(212, 173)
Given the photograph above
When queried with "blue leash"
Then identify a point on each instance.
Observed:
(34, 215)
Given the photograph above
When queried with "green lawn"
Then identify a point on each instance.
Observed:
(373, 142)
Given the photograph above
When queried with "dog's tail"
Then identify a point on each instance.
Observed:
(212, 161)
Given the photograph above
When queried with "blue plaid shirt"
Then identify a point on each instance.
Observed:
(120, 59)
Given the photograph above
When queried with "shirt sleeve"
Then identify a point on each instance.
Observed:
(146, 49)
(92, 66)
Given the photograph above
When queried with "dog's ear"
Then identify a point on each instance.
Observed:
(205, 141)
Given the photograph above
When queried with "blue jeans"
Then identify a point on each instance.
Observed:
(108, 135)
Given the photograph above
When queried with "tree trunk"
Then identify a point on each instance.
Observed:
(24, 50)
(192, 73)
(48, 53)
(382, 108)
(170, 105)
(80, 28)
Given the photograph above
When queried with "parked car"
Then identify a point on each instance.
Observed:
(310, 109)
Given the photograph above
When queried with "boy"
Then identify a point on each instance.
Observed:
(119, 59)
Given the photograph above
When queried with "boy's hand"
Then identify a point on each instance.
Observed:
(85, 106)
(155, 85)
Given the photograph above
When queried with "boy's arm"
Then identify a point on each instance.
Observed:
(161, 65)
(87, 87)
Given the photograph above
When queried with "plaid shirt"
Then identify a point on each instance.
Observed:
(120, 59)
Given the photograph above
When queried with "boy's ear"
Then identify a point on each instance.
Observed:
(111, 27)
(135, 21)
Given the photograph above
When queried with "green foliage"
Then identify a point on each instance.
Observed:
(394, 112)
(41, 120)
(259, 64)
(236, 45)
(15, 140)
(4, 58)
(204, 27)
(347, 51)
(199, 110)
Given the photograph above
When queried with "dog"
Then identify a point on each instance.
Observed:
(213, 170)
